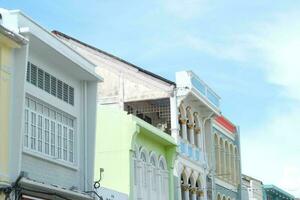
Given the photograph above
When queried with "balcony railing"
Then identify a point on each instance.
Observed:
(203, 89)
(194, 153)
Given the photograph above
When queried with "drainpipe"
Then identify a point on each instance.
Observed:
(204, 148)
(85, 136)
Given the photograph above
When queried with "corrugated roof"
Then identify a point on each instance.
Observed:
(114, 57)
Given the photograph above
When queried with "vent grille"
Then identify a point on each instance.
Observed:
(49, 83)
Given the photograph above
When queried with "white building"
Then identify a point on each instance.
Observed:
(197, 104)
(252, 189)
(53, 112)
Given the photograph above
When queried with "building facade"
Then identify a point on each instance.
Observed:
(51, 128)
(252, 189)
(139, 93)
(184, 109)
(271, 192)
(137, 157)
(10, 43)
(226, 153)
(197, 104)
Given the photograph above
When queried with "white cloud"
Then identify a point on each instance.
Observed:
(279, 44)
(272, 152)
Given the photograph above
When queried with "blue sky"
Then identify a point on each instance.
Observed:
(247, 51)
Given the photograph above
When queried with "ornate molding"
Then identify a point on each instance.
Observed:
(193, 190)
(190, 125)
(185, 187)
(182, 120)
(197, 130)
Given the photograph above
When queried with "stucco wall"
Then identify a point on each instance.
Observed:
(113, 139)
(6, 54)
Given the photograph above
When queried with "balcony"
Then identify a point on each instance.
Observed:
(200, 91)
(155, 112)
(201, 87)
(192, 152)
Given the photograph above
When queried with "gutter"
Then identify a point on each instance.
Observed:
(19, 39)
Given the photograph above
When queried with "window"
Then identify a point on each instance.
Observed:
(48, 131)
(49, 83)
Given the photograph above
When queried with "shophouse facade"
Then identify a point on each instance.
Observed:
(197, 105)
(183, 110)
(227, 165)
(10, 43)
(137, 157)
(51, 131)
(252, 189)
(146, 98)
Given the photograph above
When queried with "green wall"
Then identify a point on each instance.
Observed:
(117, 135)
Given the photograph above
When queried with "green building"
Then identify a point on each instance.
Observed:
(271, 192)
(138, 158)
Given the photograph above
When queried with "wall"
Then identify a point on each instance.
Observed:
(6, 63)
(113, 144)
(126, 83)
(36, 166)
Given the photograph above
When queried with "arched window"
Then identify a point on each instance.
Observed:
(226, 153)
(231, 163)
(144, 172)
(217, 159)
(134, 157)
(163, 178)
(222, 158)
(153, 171)
(237, 161)
(219, 197)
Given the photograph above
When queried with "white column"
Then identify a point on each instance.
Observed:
(191, 133)
(194, 194)
(186, 194)
(183, 128)
(174, 117)
(198, 137)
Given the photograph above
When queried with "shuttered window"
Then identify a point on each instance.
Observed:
(49, 83)
(49, 131)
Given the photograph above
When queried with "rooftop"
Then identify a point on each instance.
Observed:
(58, 33)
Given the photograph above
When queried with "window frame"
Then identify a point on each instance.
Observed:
(47, 129)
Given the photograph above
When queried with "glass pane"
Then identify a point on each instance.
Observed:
(47, 136)
(33, 130)
(52, 138)
(40, 133)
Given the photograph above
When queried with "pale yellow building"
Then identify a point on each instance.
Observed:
(9, 42)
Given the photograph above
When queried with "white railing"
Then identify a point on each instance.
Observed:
(203, 89)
